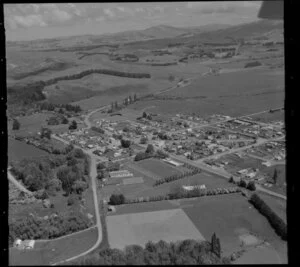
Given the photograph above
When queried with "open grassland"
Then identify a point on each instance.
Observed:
(47, 252)
(159, 168)
(18, 150)
(209, 180)
(145, 207)
(228, 216)
(139, 228)
(240, 93)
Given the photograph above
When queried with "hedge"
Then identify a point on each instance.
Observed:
(276, 222)
(174, 177)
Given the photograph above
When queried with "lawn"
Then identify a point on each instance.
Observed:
(159, 168)
(139, 228)
(228, 216)
(47, 252)
(18, 150)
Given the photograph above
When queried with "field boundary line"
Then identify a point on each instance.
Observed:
(65, 236)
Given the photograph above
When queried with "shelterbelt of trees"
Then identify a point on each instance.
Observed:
(32, 92)
(186, 252)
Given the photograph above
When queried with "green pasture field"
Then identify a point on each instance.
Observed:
(144, 207)
(18, 150)
(139, 228)
(228, 216)
(48, 252)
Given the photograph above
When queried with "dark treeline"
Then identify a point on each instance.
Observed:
(276, 222)
(186, 252)
(51, 107)
(33, 92)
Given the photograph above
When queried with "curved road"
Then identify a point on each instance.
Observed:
(93, 175)
(17, 183)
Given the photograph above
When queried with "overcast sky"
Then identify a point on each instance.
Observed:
(34, 21)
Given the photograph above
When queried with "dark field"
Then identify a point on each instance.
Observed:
(228, 216)
(18, 150)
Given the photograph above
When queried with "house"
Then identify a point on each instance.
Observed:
(173, 162)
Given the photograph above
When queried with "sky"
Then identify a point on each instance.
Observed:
(39, 21)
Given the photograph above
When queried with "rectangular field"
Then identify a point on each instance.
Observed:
(139, 228)
(229, 216)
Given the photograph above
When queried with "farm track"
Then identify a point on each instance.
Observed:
(21, 187)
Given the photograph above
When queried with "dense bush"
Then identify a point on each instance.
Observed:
(252, 64)
(277, 223)
(37, 228)
(16, 124)
(251, 186)
(186, 252)
(242, 183)
(125, 143)
(116, 199)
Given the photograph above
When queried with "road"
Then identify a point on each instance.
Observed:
(17, 183)
(258, 143)
(93, 175)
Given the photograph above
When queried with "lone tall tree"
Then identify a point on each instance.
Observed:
(16, 125)
(215, 245)
(275, 176)
(134, 98)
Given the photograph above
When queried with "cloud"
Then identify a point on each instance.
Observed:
(109, 12)
(29, 21)
(222, 7)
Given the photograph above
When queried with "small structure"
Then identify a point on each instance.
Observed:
(173, 162)
(111, 208)
(17, 242)
(122, 173)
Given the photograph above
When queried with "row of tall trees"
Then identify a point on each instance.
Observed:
(186, 252)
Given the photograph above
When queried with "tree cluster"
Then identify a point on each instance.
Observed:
(16, 124)
(51, 107)
(53, 173)
(58, 119)
(276, 222)
(174, 177)
(116, 199)
(186, 252)
(30, 227)
(73, 125)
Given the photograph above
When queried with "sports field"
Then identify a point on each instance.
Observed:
(139, 228)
